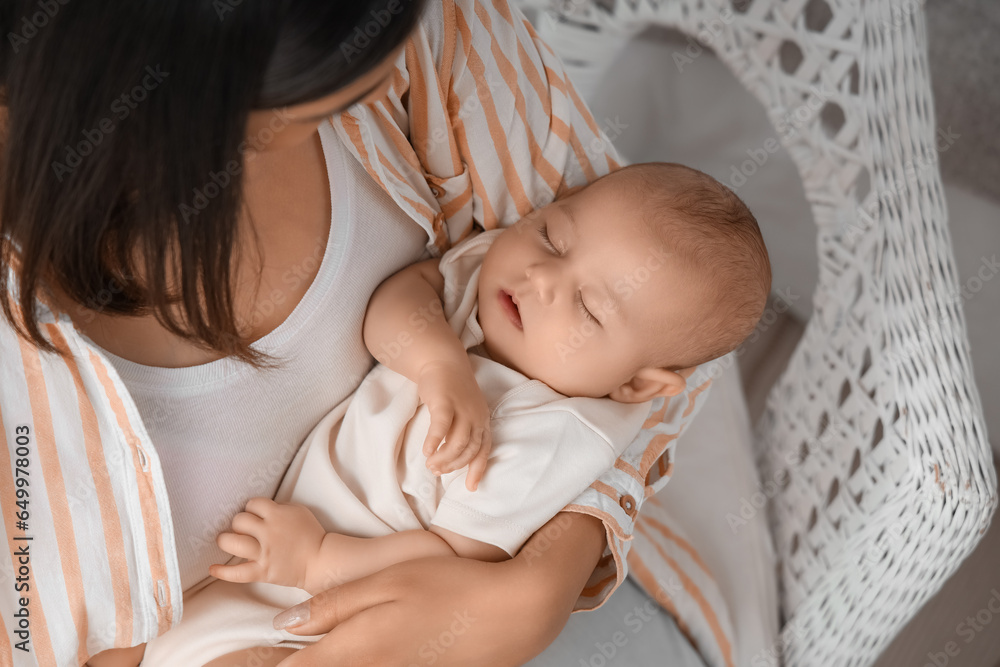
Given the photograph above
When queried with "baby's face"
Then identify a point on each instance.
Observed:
(575, 295)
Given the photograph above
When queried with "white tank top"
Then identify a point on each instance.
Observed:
(225, 432)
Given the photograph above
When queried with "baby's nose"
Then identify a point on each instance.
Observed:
(542, 283)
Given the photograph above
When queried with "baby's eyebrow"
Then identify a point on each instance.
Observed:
(569, 216)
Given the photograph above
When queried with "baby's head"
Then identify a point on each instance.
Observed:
(619, 288)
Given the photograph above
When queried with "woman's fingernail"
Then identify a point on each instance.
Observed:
(289, 618)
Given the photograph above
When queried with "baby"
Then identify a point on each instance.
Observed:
(517, 337)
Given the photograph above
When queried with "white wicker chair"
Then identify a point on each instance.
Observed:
(893, 483)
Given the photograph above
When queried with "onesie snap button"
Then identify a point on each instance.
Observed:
(628, 504)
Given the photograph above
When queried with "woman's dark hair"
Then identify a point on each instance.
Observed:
(121, 120)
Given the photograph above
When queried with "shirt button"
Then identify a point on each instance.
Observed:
(629, 505)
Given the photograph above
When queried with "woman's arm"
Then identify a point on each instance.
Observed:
(456, 611)
(342, 558)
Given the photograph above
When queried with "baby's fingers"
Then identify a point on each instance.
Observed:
(241, 573)
(454, 444)
(466, 455)
(248, 524)
(441, 420)
(242, 546)
(478, 465)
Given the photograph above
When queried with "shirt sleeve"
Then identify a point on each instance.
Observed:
(480, 127)
(518, 128)
(86, 512)
(645, 467)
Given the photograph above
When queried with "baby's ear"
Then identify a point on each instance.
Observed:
(648, 383)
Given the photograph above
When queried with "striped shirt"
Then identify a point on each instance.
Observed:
(481, 126)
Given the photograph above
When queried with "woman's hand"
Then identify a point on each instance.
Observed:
(459, 415)
(454, 612)
(280, 541)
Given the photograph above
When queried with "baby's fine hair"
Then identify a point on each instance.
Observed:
(707, 227)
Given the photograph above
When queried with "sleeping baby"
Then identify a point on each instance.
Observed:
(513, 372)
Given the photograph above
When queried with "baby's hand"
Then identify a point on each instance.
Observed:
(460, 416)
(279, 542)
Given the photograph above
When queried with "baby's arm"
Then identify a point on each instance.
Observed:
(284, 544)
(406, 330)
(342, 558)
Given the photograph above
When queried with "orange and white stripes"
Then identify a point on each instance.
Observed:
(101, 571)
(480, 127)
(674, 574)
(616, 498)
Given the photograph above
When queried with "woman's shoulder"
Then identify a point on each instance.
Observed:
(448, 26)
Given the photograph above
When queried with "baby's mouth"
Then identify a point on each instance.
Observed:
(508, 304)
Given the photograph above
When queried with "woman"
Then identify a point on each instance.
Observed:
(170, 173)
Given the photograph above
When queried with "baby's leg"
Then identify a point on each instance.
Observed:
(118, 657)
(261, 656)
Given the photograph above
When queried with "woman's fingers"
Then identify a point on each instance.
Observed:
(452, 612)
(240, 573)
(359, 640)
(242, 546)
(325, 611)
